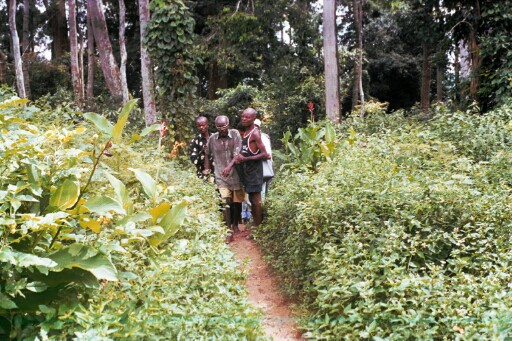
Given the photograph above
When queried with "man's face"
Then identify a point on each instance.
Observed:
(222, 127)
(247, 119)
(202, 126)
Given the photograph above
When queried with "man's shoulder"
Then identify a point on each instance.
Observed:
(234, 132)
(256, 135)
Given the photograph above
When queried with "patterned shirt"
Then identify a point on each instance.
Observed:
(223, 150)
(197, 153)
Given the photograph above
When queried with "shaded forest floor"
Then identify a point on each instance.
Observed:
(264, 292)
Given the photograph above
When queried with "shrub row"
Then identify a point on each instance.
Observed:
(404, 235)
(98, 248)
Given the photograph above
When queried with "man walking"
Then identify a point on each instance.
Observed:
(198, 145)
(252, 153)
(223, 146)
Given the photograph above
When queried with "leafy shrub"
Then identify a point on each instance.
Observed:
(84, 235)
(403, 235)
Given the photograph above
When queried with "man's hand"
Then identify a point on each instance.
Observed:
(239, 158)
(226, 171)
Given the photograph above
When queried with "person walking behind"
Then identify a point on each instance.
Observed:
(198, 145)
(223, 146)
(252, 153)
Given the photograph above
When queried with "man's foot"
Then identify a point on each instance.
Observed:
(229, 238)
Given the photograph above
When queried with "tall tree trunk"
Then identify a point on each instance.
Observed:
(476, 60)
(122, 46)
(107, 61)
(439, 82)
(90, 62)
(456, 70)
(81, 64)
(358, 66)
(73, 43)
(25, 43)
(3, 67)
(332, 95)
(216, 79)
(16, 49)
(146, 70)
(425, 79)
(59, 28)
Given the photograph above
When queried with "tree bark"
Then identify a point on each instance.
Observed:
(59, 28)
(122, 46)
(107, 61)
(73, 43)
(90, 62)
(425, 79)
(18, 64)
(358, 66)
(476, 60)
(26, 46)
(439, 82)
(456, 70)
(216, 79)
(3, 68)
(332, 95)
(146, 70)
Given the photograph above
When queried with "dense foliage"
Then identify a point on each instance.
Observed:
(93, 248)
(405, 233)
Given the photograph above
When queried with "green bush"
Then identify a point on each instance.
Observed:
(403, 235)
(93, 248)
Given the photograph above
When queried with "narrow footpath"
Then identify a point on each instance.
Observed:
(264, 293)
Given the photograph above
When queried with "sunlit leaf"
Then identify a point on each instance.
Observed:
(102, 204)
(66, 195)
(100, 122)
(118, 128)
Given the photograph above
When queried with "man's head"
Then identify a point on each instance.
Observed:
(222, 125)
(202, 124)
(248, 117)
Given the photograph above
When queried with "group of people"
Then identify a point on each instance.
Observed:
(235, 156)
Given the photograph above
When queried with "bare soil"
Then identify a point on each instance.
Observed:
(263, 291)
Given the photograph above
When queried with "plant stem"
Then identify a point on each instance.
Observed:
(82, 190)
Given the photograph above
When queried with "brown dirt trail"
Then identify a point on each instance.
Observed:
(263, 291)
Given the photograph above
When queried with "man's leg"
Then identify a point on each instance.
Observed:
(227, 211)
(236, 209)
(255, 199)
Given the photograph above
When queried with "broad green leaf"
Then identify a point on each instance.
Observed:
(7, 221)
(148, 183)
(86, 258)
(170, 222)
(66, 195)
(37, 286)
(119, 188)
(102, 204)
(6, 302)
(117, 130)
(100, 122)
(151, 128)
(330, 134)
(136, 218)
(24, 260)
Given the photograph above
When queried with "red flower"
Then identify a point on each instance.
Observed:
(311, 106)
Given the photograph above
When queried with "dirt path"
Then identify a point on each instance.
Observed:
(264, 293)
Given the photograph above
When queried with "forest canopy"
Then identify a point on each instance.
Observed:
(205, 57)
